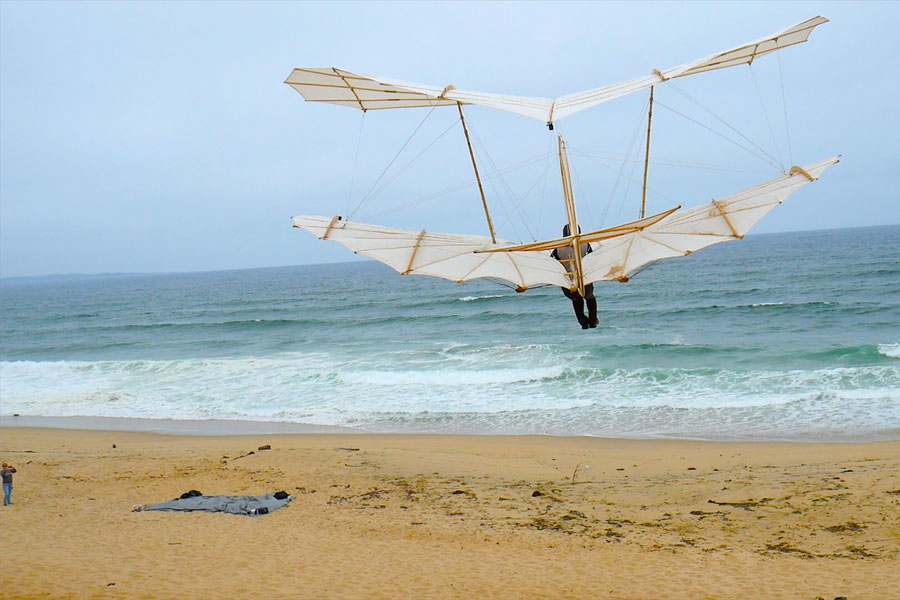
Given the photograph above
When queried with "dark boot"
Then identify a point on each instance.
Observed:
(593, 321)
(578, 305)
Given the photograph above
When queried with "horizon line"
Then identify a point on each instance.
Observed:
(109, 274)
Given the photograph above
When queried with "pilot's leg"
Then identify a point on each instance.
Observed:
(578, 306)
(593, 321)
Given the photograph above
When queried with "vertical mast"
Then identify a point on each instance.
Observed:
(487, 214)
(647, 156)
(571, 215)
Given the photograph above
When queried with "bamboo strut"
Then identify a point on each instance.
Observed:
(355, 95)
(412, 257)
(795, 170)
(727, 220)
(331, 223)
(521, 287)
(647, 155)
(579, 270)
(487, 213)
(591, 236)
(575, 234)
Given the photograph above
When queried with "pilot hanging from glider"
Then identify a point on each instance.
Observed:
(564, 256)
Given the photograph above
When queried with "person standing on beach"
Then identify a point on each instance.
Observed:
(7, 474)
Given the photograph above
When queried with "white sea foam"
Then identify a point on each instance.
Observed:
(808, 303)
(472, 298)
(449, 377)
(486, 389)
(889, 350)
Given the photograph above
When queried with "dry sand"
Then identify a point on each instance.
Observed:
(410, 516)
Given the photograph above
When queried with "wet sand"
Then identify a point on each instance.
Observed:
(441, 516)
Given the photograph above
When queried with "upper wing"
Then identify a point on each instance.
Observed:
(689, 230)
(368, 92)
(444, 255)
(742, 55)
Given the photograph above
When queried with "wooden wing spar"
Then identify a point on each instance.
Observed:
(367, 92)
(617, 252)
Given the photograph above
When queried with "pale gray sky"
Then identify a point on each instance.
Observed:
(160, 137)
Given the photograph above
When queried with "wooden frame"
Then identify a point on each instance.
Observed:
(487, 213)
(415, 250)
(731, 226)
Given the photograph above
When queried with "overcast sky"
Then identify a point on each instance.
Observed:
(160, 137)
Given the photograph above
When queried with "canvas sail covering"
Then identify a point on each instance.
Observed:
(463, 257)
(449, 256)
(367, 92)
(742, 55)
(687, 231)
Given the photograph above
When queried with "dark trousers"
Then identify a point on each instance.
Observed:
(578, 303)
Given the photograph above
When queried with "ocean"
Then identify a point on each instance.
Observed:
(790, 336)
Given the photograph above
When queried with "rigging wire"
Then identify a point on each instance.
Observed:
(667, 162)
(497, 194)
(631, 179)
(581, 188)
(513, 199)
(631, 145)
(402, 169)
(787, 126)
(766, 114)
(540, 178)
(544, 187)
(355, 161)
(505, 209)
(513, 286)
(489, 160)
(406, 143)
(460, 186)
(771, 159)
(765, 156)
(577, 180)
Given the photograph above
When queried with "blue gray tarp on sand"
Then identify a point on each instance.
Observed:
(237, 505)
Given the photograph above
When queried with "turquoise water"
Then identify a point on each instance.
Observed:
(784, 336)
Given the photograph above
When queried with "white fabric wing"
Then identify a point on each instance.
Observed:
(742, 55)
(345, 88)
(461, 257)
(367, 92)
(448, 256)
(687, 231)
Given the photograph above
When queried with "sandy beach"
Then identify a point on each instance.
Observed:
(427, 516)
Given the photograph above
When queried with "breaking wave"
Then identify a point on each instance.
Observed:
(889, 350)
(488, 297)
(317, 388)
